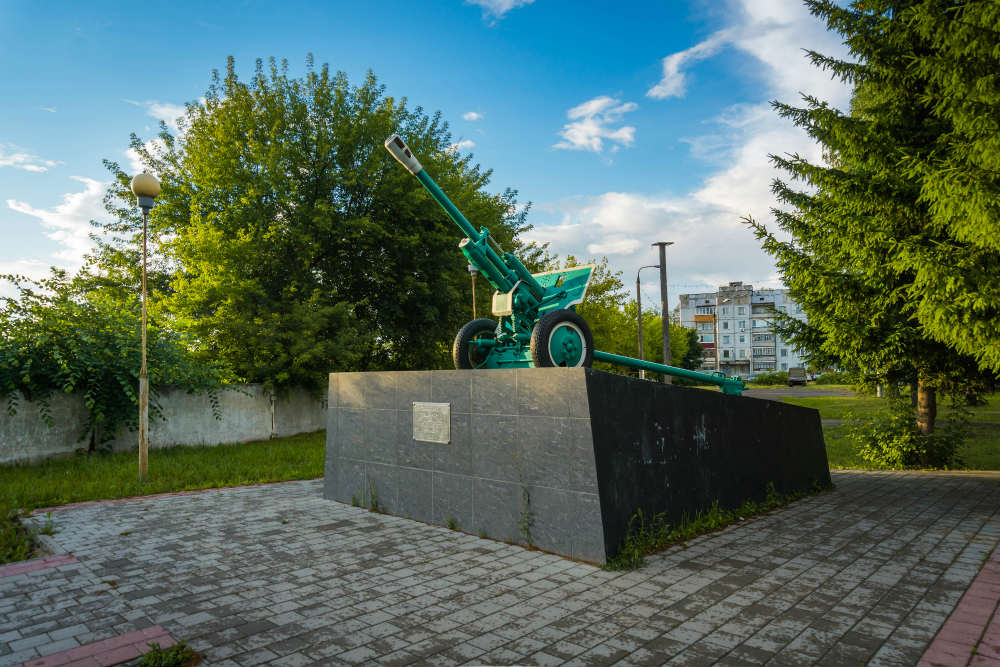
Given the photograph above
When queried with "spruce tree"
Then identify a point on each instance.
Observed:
(877, 274)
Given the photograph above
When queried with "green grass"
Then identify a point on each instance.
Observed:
(980, 452)
(836, 407)
(116, 475)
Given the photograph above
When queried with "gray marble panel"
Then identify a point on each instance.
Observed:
(455, 457)
(552, 392)
(351, 390)
(380, 390)
(351, 481)
(554, 516)
(380, 436)
(494, 447)
(382, 487)
(452, 387)
(333, 392)
(409, 452)
(498, 507)
(453, 497)
(588, 538)
(414, 493)
(580, 452)
(545, 444)
(351, 433)
(332, 434)
(412, 386)
(492, 391)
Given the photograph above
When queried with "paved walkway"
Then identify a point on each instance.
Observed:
(277, 575)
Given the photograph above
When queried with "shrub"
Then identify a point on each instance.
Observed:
(69, 334)
(835, 377)
(776, 377)
(890, 438)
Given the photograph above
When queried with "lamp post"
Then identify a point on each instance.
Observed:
(473, 271)
(664, 303)
(638, 303)
(145, 187)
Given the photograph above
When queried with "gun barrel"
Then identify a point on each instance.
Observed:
(728, 385)
(399, 150)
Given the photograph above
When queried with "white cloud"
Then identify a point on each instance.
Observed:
(12, 156)
(463, 145)
(472, 115)
(168, 113)
(497, 8)
(49, 109)
(672, 82)
(592, 124)
(68, 223)
(712, 246)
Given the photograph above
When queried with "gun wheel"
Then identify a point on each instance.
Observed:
(466, 352)
(562, 338)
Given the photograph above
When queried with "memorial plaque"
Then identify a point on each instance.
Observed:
(432, 422)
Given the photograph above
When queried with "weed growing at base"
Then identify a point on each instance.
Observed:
(178, 655)
(647, 537)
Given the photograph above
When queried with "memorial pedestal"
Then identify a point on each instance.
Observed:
(557, 458)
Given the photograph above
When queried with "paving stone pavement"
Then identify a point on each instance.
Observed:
(276, 575)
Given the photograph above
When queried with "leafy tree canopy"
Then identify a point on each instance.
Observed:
(65, 334)
(290, 244)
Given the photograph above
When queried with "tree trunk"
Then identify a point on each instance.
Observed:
(892, 389)
(926, 407)
(913, 394)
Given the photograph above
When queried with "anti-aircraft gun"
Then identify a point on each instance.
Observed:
(537, 324)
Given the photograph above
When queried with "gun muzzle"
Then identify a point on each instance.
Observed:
(402, 153)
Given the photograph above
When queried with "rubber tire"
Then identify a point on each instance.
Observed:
(543, 330)
(460, 348)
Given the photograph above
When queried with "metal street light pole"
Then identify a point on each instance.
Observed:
(638, 303)
(664, 303)
(146, 188)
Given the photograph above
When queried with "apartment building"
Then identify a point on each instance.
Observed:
(735, 326)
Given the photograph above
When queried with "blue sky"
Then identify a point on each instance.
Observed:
(623, 123)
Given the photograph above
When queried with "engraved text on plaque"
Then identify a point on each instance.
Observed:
(432, 422)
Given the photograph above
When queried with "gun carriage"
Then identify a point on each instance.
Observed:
(536, 321)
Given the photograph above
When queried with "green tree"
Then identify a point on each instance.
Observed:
(287, 240)
(863, 241)
(64, 334)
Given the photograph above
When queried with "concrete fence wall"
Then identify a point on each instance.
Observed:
(247, 412)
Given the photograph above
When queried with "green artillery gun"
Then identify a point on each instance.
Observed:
(537, 324)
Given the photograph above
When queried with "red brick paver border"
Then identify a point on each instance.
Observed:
(971, 635)
(36, 564)
(108, 652)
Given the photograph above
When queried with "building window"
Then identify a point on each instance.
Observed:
(706, 338)
(741, 310)
(743, 324)
(784, 367)
(725, 340)
(725, 325)
(725, 310)
(743, 339)
(743, 353)
(784, 351)
(704, 310)
(725, 354)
